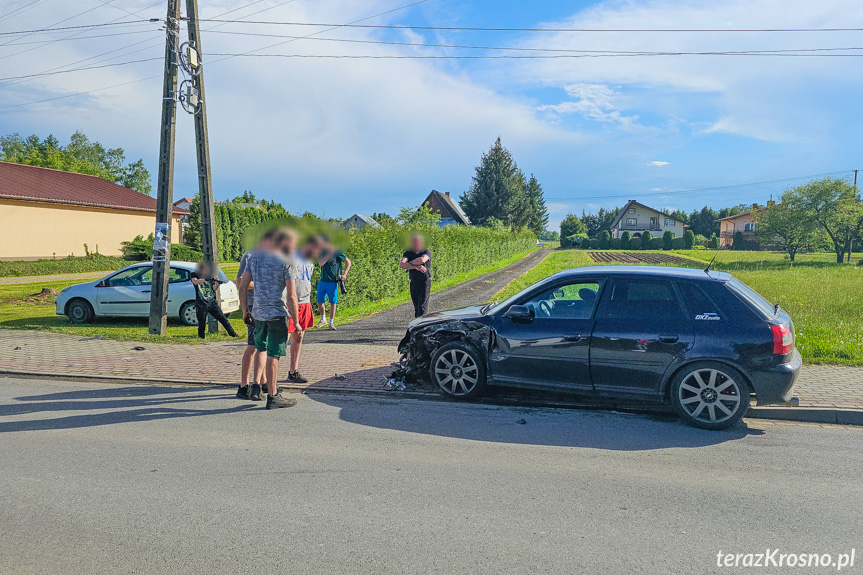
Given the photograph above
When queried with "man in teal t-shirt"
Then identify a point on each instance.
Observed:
(332, 261)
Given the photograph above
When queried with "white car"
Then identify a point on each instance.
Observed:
(126, 293)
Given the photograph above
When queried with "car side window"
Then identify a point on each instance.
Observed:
(642, 299)
(575, 300)
(177, 275)
(699, 304)
(132, 277)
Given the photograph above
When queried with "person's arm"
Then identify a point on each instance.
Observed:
(420, 260)
(293, 303)
(245, 281)
(406, 265)
(347, 268)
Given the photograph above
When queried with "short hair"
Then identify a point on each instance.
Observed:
(313, 240)
(269, 235)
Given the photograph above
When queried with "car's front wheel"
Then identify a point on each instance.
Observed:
(458, 370)
(187, 313)
(79, 311)
(710, 395)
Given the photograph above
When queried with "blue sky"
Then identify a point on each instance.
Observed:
(338, 136)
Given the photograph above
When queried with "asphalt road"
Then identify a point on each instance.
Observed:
(389, 326)
(100, 478)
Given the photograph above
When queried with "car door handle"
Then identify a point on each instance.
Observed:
(145, 291)
(669, 338)
(576, 337)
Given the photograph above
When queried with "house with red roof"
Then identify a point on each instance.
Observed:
(47, 213)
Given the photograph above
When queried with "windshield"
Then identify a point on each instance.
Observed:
(511, 299)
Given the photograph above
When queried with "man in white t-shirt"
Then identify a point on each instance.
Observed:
(303, 261)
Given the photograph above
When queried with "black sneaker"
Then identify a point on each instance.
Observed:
(243, 392)
(255, 392)
(277, 401)
(296, 377)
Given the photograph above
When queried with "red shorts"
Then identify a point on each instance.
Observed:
(307, 318)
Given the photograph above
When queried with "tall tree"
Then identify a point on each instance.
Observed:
(571, 226)
(536, 206)
(81, 156)
(497, 189)
(834, 204)
(788, 226)
(601, 220)
(703, 222)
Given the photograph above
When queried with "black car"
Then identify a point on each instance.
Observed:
(700, 340)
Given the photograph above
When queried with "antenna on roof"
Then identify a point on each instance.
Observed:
(707, 269)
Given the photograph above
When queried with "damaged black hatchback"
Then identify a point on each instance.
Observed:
(701, 341)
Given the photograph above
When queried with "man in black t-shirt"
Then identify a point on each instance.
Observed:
(417, 261)
(207, 300)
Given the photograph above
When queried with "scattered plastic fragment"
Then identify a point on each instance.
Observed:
(341, 376)
(139, 348)
(521, 421)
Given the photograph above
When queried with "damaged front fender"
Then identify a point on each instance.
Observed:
(418, 346)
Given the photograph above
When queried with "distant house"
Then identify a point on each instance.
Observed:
(359, 221)
(448, 209)
(46, 213)
(636, 218)
(743, 222)
(184, 203)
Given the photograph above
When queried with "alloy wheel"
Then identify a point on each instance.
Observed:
(456, 372)
(189, 315)
(710, 395)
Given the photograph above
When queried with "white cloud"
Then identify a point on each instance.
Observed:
(659, 163)
(593, 101)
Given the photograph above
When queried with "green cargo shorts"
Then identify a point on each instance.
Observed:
(271, 336)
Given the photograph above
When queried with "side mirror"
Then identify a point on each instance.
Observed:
(103, 283)
(520, 313)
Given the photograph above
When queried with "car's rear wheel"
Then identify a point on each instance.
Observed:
(710, 395)
(187, 313)
(458, 370)
(79, 311)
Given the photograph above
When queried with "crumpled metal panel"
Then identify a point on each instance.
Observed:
(418, 346)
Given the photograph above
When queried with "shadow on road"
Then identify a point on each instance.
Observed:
(532, 426)
(109, 406)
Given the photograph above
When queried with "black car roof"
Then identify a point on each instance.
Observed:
(640, 270)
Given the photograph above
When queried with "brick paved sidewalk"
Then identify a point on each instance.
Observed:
(362, 367)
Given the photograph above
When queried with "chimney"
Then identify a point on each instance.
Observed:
(447, 194)
(771, 203)
(755, 206)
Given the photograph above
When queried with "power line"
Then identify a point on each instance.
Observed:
(511, 56)
(76, 37)
(698, 190)
(478, 29)
(20, 10)
(80, 27)
(82, 69)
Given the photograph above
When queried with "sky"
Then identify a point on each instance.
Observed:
(338, 136)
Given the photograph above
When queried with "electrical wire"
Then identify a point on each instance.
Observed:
(82, 69)
(19, 10)
(79, 27)
(514, 57)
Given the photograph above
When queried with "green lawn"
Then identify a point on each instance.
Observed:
(823, 298)
(20, 308)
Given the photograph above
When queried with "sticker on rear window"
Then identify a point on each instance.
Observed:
(708, 317)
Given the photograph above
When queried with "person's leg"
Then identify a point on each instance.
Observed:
(277, 339)
(332, 313)
(250, 355)
(201, 314)
(260, 362)
(322, 307)
(417, 297)
(424, 308)
(296, 346)
(334, 300)
(272, 375)
(217, 313)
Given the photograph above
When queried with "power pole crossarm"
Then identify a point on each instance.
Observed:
(165, 184)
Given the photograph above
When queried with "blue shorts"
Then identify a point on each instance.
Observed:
(328, 290)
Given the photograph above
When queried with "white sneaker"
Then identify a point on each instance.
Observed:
(332, 326)
(321, 324)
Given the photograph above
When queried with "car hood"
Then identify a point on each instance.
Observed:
(464, 313)
(75, 287)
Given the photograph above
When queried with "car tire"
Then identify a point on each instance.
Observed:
(79, 311)
(458, 370)
(710, 395)
(188, 315)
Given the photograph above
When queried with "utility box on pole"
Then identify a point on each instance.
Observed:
(165, 184)
(202, 149)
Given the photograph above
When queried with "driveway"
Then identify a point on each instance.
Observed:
(388, 326)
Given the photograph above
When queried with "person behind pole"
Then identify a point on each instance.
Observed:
(251, 355)
(275, 299)
(331, 261)
(207, 299)
(417, 260)
(303, 262)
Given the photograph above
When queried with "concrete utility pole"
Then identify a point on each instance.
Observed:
(165, 185)
(202, 149)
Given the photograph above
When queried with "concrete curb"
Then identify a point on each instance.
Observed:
(838, 416)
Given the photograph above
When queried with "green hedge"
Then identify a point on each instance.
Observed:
(375, 255)
(141, 250)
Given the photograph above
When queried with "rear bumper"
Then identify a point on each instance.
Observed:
(230, 305)
(775, 385)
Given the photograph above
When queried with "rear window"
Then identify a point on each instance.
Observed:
(699, 304)
(751, 297)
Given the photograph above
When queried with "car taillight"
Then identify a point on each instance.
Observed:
(783, 340)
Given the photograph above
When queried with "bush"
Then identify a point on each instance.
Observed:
(604, 240)
(700, 241)
(713, 242)
(646, 238)
(678, 243)
(657, 244)
(141, 250)
(594, 243)
(375, 253)
(616, 243)
(635, 243)
(575, 240)
(625, 241)
(95, 262)
(585, 244)
(667, 239)
(688, 239)
(738, 243)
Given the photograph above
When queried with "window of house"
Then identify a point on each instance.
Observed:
(643, 299)
(631, 221)
(669, 222)
(631, 210)
(749, 226)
